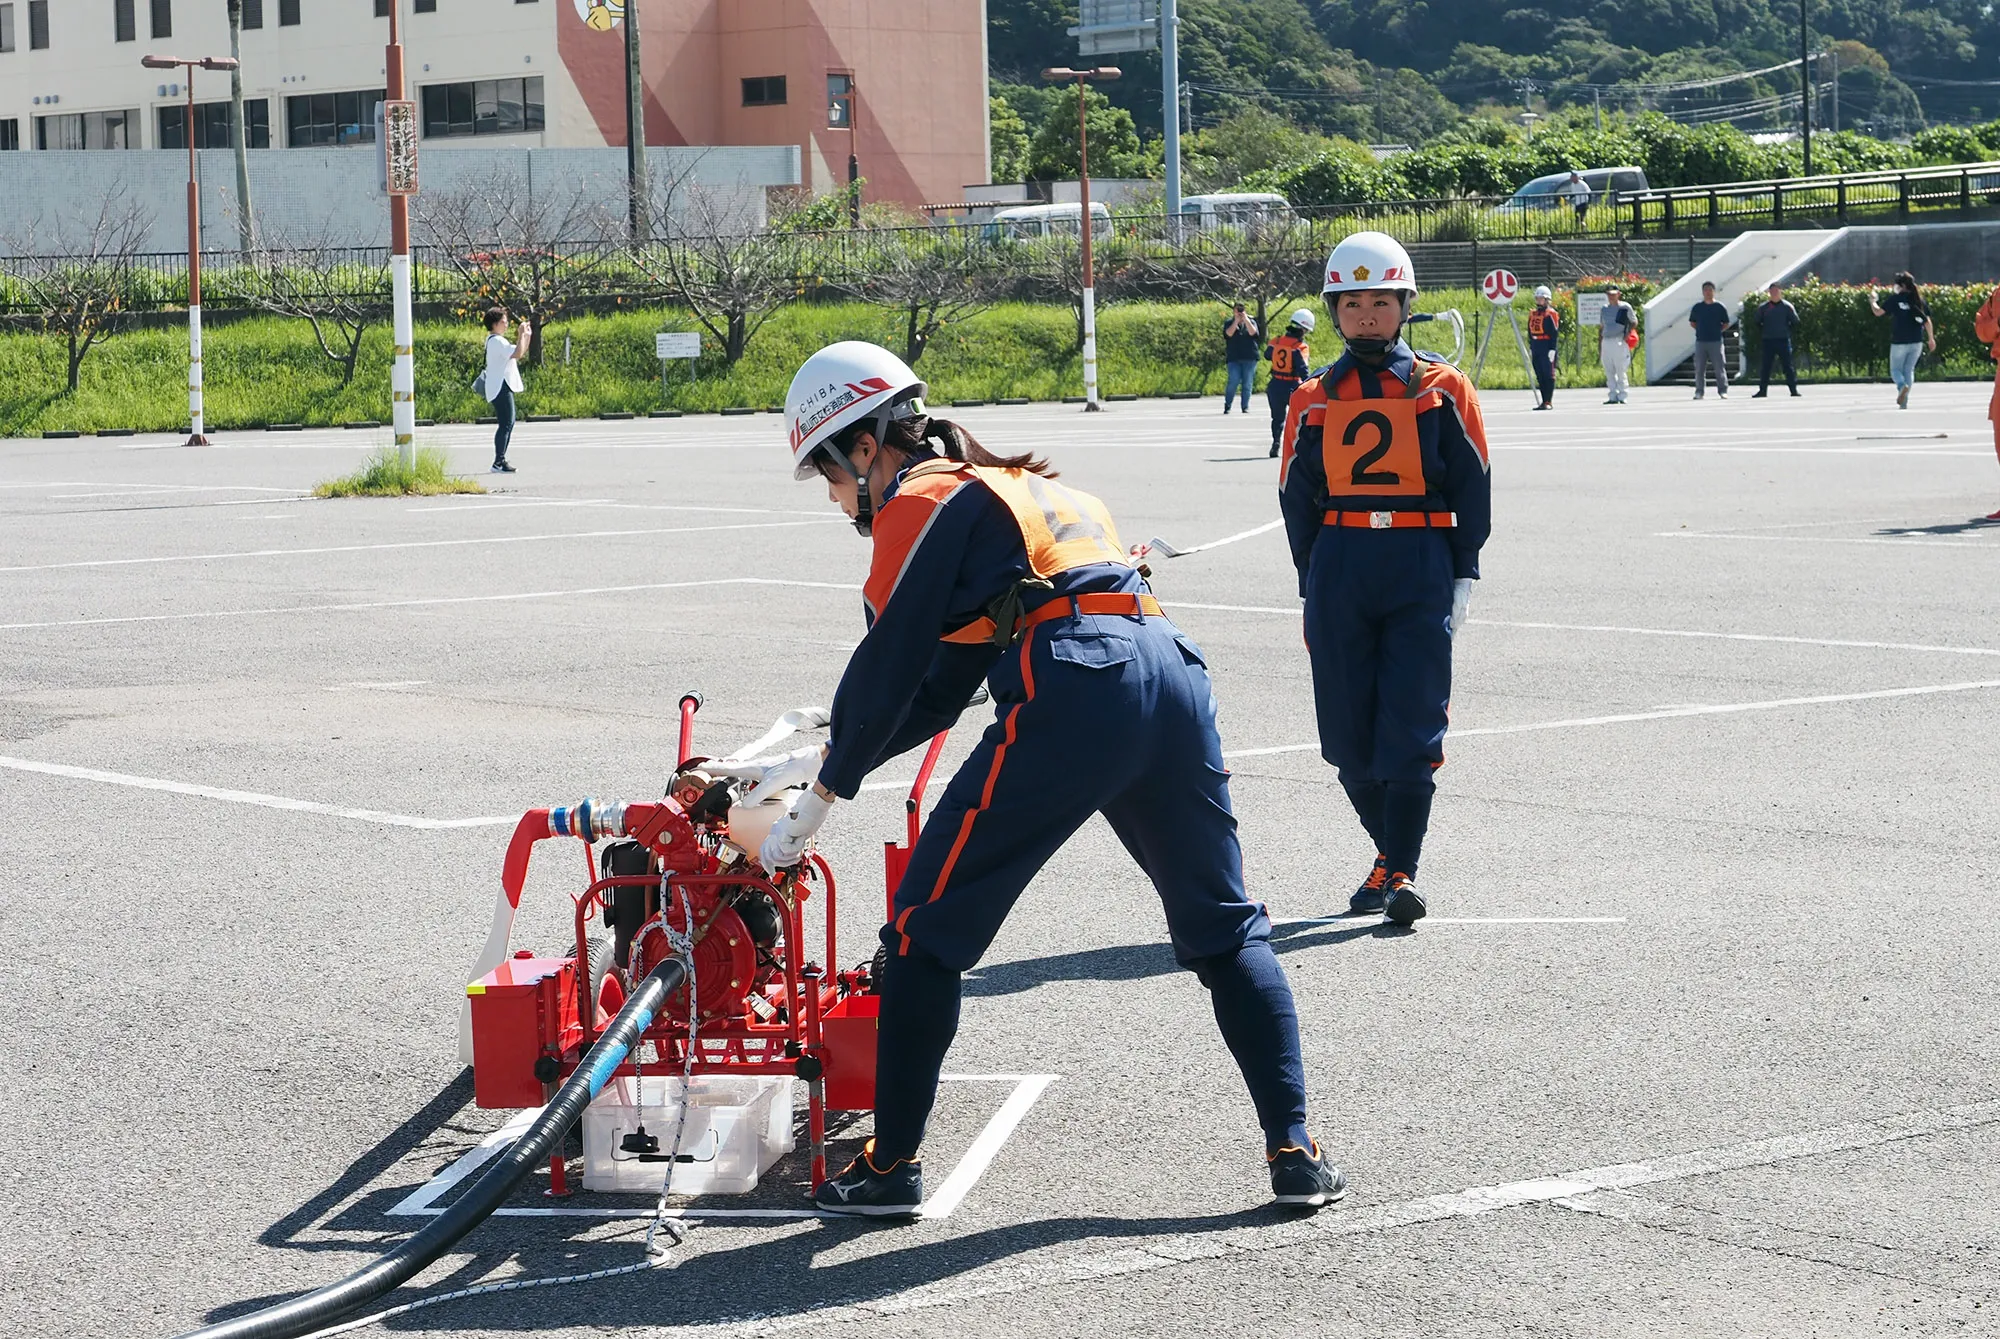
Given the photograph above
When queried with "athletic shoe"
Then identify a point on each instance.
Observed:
(1902, 397)
(502, 467)
(1404, 904)
(1699, 396)
(895, 1191)
(1302, 1179)
(1368, 897)
(1993, 516)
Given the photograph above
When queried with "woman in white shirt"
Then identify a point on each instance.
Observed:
(503, 379)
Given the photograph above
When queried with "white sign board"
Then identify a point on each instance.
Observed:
(1590, 309)
(1499, 286)
(399, 146)
(1110, 26)
(673, 344)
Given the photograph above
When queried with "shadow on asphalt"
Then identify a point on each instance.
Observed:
(1944, 528)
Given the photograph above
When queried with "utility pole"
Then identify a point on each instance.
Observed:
(1170, 102)
(1597, 100)
(1083, 78)
(246, 228)
(403, 334)
(640, 197)
(1833, 56)
(1805, 89)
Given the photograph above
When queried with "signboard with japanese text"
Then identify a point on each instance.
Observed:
(399, 145)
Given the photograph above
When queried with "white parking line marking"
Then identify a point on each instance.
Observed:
(474, 505)
(1354, 919)
(1665, 713)
(384, 683)
(992, 1137)
(422, 602)
(416, 544)
(1167, 1251)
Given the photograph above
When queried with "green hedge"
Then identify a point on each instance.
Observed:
(1838, 336)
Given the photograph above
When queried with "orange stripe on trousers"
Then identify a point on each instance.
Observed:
(985, 795)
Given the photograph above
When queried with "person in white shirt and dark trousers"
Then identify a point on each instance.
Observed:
(501, 380)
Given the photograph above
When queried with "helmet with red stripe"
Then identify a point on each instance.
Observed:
(840, 386)
(1365, 260)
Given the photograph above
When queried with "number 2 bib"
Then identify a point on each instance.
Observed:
(1371, 448)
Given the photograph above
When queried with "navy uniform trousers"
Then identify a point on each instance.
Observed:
(1278, 392)
(1093, 714)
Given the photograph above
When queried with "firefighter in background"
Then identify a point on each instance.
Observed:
(1543, 324)
(1387, 500)
(985, 567)
(1986, 324)
(1291, 364)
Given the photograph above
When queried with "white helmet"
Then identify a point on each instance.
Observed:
(840, 385)
(1369, 260)
(1304, 320)
(1542, 291)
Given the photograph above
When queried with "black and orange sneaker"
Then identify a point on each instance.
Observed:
(1368, 897)
(1404, 905)
(1302, 1179)
(895, 1191)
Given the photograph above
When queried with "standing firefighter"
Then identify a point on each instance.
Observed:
(1387, 500)
(1291, 363)
(1986, 325)
(987, 568)
(1544, 327)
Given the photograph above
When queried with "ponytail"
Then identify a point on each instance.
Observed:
(920, 436)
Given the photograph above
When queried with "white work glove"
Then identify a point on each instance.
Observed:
(792, 834)
(774, 773)
(1461, 600)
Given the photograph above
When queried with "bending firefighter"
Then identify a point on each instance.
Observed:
(1291, 364)
(1387, 500)
(987, 568)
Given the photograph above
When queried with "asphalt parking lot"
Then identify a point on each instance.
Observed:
(1698, 1040)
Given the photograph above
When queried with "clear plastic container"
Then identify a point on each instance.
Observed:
(737, 1127)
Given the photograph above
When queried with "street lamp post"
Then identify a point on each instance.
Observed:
(1805, 90)
(1082, 78)
(402, 323)
(196, 434)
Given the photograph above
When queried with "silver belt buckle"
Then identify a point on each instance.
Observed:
(1381, 520)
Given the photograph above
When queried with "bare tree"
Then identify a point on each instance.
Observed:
(717, 259)
(84, 280)
(538, 253)
(338, 298)
(928, 281)
(1258, 265)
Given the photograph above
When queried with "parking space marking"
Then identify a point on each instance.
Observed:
(958, 1183)
(1664, 713)
(417, 544)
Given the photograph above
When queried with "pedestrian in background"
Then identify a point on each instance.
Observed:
(1910, 332)
(1617, 333)
(501, 380)
(1710, 320)
(1291, 363)
(1576, 192)
(1986, 324)
(1776, 320)
(1544, 326)
(1239, 351)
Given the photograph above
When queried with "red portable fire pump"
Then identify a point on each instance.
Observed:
(762, 1003)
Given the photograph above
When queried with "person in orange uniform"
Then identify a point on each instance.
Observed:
(987, 567)
(1986, 324)
(1291, 363)
(1544, 327)
(1387, 500)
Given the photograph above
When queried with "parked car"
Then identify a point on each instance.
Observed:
(1606, 185)
(1025, 221)
(1239, 209)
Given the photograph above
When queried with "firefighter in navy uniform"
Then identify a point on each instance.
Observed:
(1291, 363)
(1387, 500)
(988, 568)
(1544, 323)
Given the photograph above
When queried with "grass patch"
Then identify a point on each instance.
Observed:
(385, 475)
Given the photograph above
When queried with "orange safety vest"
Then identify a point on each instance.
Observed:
(1986, 324)
(1543, 322)
(1061, 527)
(1290, 359)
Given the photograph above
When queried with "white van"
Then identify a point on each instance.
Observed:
(1026, 221)
(1606, 185)
(1236, 209)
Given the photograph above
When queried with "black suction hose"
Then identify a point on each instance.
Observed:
(331, 1304)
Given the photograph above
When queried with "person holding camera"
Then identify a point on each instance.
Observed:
(501, 381)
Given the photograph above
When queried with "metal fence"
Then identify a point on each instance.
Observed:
(1894, 196)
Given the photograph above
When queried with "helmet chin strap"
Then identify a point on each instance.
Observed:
(1371, 350)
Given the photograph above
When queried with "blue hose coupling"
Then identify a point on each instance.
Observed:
(588, 821)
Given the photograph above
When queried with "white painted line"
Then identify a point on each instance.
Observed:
(1352, 918)
(422, 1201)
(473, 505)
(1666, 713)
(248, 797)
(423, 601)
(1969, 541)
(1741, 637)
(386, 683)
(1144, 1255)
(416, 544)
(119, 488)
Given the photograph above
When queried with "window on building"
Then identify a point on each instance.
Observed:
(38, 25)
(10, 134)
(425, 6)
(6, 27)
(768, 91)
(483, 107)
(840, 101)
(315, 119)
(88, 130)
(124, 26)
(211, 125)
(253, 13)
(381, 9)
(288, 13)
(163, 19)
